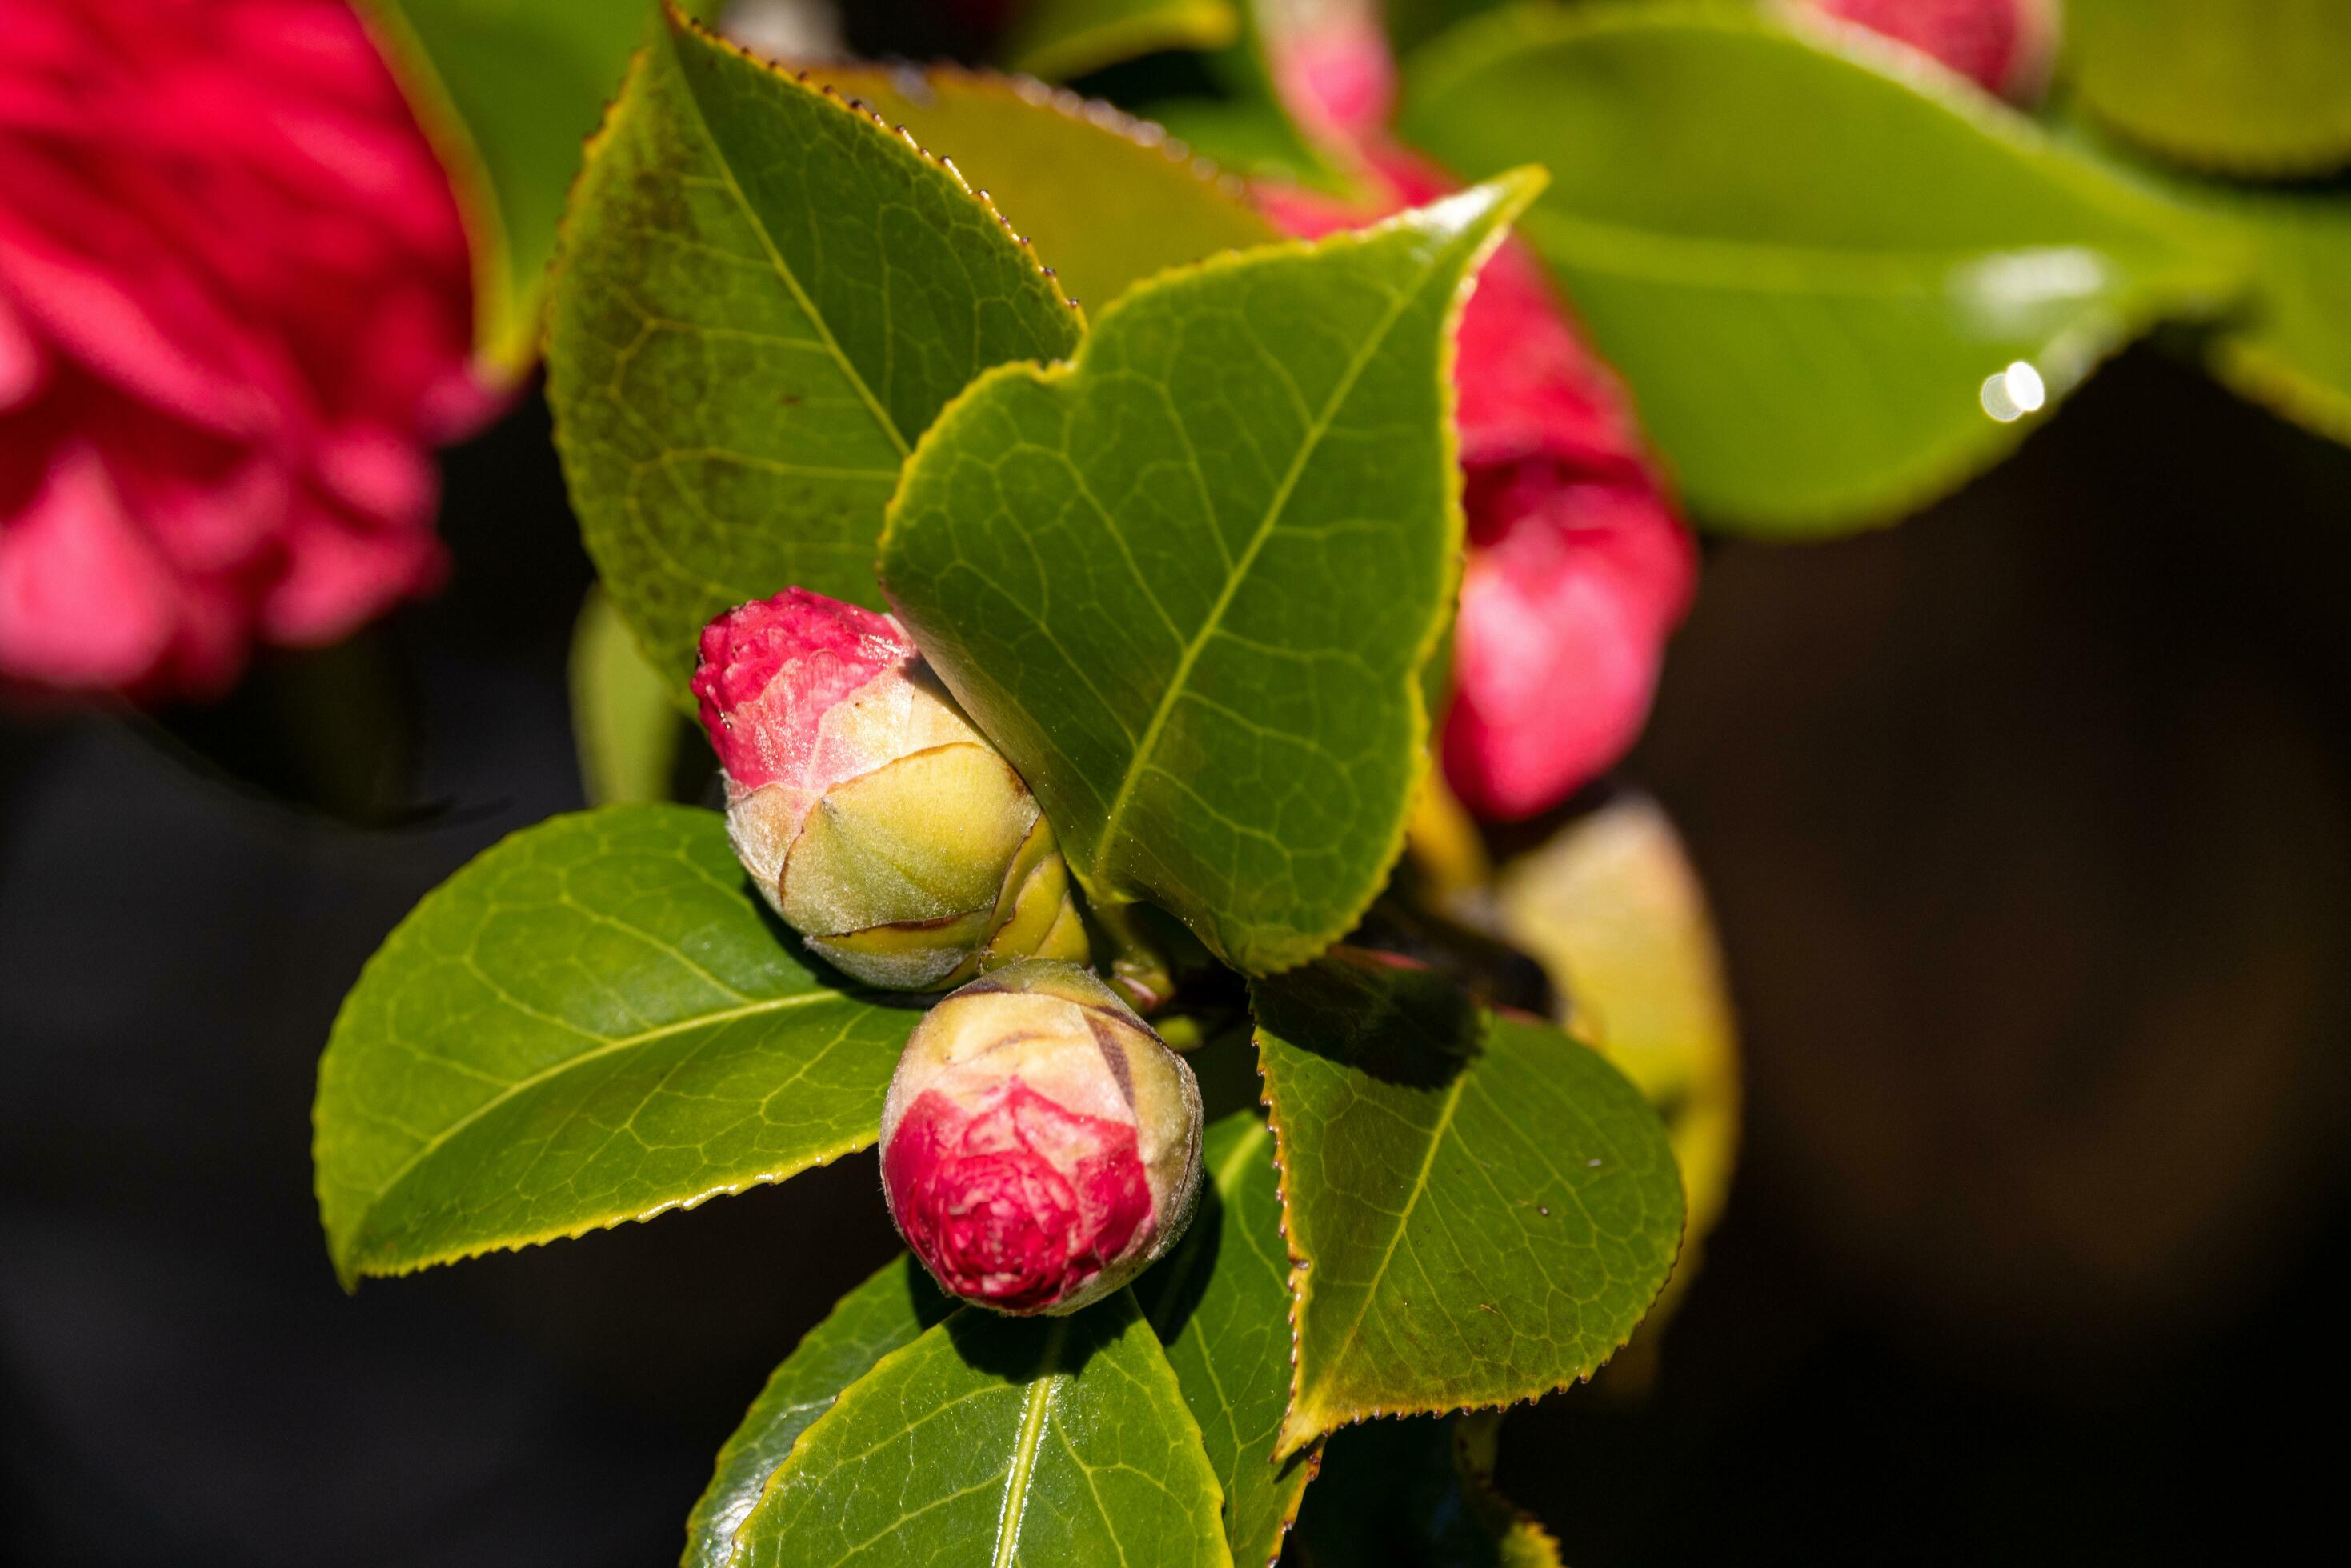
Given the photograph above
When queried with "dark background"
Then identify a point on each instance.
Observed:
(2028, 824)
(2028, 827)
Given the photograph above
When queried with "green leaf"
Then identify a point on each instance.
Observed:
(764, 296)
(2258, 88)
(886, 1312)
(2291, 351)
(1816, 272)
(1412, 23)
(1015, 1441)
(508, 90)
(1481, 1207)
(1186, 581)
(1061, 38)
(1241, 121)
(1104, 199)
(1221, 1304)
(1612, 910)
(626, 721)
(2288, 348)
(1418, 1493)
(594, 1022)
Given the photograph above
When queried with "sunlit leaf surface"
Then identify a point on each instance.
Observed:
(764, 296)
(1104, 199)
(1221, 1303)
(594, 1021)
(1482, 1208)
(1186, 582)
(1017, 1442)
(887, 1313)
(1837, 286)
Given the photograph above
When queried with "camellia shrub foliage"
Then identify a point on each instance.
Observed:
(1072, 670)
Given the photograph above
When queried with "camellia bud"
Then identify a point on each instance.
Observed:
(871, 814)
(2005, 46)
(1040, 1145)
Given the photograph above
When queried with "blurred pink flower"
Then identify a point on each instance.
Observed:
(236, 312)
(1579, 566)
(2005, 46)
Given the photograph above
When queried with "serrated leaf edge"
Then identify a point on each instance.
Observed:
(1183, 1255)
(348, 1270)
(1300, 1428)
(1512, 190)
(1097, 113)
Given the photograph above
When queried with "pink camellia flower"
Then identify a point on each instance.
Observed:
(1040, 1145)
(2004, 46)
(1579, 567)
(870, 812)
(236, 312)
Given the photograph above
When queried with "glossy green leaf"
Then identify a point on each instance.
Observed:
(2290, 349)
(887, 1313)
(1061, 38)
(1018, 1442)
(2288, 344)
(1612, 908)
(1104, 199)
(2258, 88)
(1220, 1302)
(1418, 1494)
(626, 719)
(763, 299)
(2292, 352)
(594, 1022)
(1837, 287)
(508, 89)
(1186, 581)
(1482, 1209)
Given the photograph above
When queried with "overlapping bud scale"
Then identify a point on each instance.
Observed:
(872, 815)
(1040, 1145)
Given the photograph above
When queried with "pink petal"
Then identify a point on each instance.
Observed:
(86, 603)
(1563, 628)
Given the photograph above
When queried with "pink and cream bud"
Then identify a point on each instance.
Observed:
(1040, 1145)
(871, 814)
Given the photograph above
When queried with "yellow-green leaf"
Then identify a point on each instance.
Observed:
(1061, 38)
(2257, 87)
(1017, 1442)
(594, 1021)
(886, 1312)
(1104, 199)
(763, 299)
(1220, 1302)
(1838, 285)
(626, 719)
(1481, 1208)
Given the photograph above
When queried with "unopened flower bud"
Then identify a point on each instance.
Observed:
(2005, 46)
(871, 814)
(1040, 1145)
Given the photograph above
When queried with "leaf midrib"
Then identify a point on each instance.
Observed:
(783, 269)
(1316, 430)
(431, 1145)
(1419, 1186)
(1036, 1405)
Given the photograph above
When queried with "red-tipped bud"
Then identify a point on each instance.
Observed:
(1040, 1145)
(2005, 46)
(871, 814)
